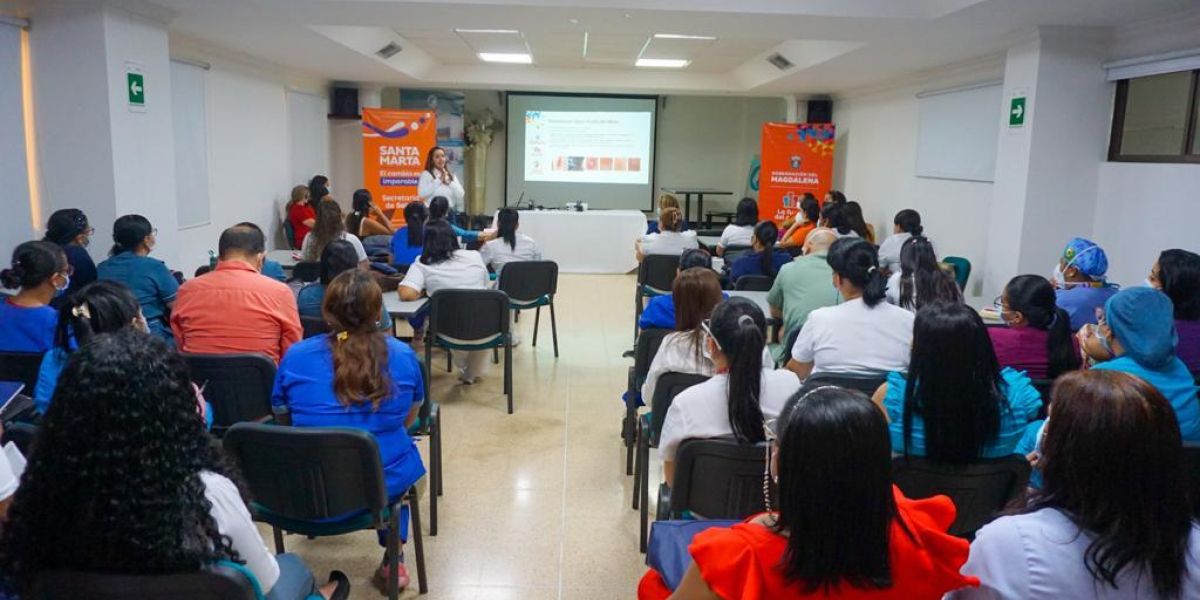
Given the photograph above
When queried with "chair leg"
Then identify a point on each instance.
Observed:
(537, 317)
(643, 489)
(553, 328)
(427, 368)
(628, 431)
(279, 549)
(495, 355)
(418, 544)
(508, 383)
(449, 360)
(516, 316)
(637, 467)
(435, 470)
(393, 552)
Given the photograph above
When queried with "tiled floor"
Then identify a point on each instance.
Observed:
(536, 504)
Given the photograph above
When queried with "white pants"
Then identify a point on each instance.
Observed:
(474, 363)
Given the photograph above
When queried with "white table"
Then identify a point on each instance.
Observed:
(593, 241)
(402, 309)
(286, 258)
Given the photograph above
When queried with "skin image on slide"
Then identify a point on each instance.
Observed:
(574, 163)
(635, 163)
(590, 163)
(606, 163)
(620, 164)
(560, 164)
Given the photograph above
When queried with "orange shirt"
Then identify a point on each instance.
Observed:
(235, 309)
(741, 562)
(802, 232)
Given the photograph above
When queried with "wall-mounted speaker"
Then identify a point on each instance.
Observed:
(344, 102)
(820, 111)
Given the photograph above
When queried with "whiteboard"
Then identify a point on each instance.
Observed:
(190, 116)
(958, 132)
(308, 131)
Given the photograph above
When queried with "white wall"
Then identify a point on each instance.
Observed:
(1143, 209)
(17, 225)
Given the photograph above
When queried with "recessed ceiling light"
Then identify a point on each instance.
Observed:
(510, 31)
(680, 36)
(506, 57)
(663, 63)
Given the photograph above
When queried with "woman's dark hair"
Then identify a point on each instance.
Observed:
(811, 208)
(318, 183)
(1179, 274)
(317, 194)
(767, 234)
(120, 451)
(670, 219)
(746, 212)
(740, 330)
(352, 305)
(506, 225)
(361, 205)
(439, 207)
(440, 242)
(909, 221)
(834, 215)
(337, 257)
(1033, 296)
(855, 260)
(852, 212)
(415, 215)
(429, 158)
(839, 527)
(1112, 462)
(329, 227)
(696, 292)
(695, 257)
(102, 306)
(837, 197)
(32, 264)
(922, 280)
(129, 231)
(65, 225)
(954, 383)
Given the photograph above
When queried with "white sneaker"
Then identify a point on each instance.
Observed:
(463, 379)
(516, 338)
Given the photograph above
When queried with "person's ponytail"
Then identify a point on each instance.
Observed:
(855, 260)
(767, 234)
(506, 226)
(876, 289)
(739, 328)
(1060, 347)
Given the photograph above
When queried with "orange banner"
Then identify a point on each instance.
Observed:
(395, 143)
(796, 158)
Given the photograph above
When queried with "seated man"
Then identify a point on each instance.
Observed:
(1080, 283)
(660, 310)
(270, 268)
(803, 286)
(234, 308)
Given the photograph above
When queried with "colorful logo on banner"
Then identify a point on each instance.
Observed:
(796, 158)
(395, 143)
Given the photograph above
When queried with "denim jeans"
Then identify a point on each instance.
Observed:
(295, 579)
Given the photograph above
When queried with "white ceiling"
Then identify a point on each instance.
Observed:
(835, 45)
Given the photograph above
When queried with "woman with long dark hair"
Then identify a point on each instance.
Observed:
(864, 335)
(905, 225)
(123, 451)
(765, 259)
(1037, 336)
(695, 293)
(39, 272)
(834, 197)
(69, 229)
(840, 529)
(356, 376)
(920, 280)
(367, 221)
(833, 216)
(806, 220)
(852, 212)
(956, 404)
(1112, 518)
(740, 231)
(509, 245)
(744, 390)
(1177, 274)
(151, 282)
(330, 226)
(437, 180)
(406, 242)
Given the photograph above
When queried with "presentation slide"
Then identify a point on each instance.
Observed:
(564, 148)
(587, 147)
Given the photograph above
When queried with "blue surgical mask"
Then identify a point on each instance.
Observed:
(59, 291)
(1105, 343)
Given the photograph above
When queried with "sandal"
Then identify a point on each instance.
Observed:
(381, 578)
(342, 591)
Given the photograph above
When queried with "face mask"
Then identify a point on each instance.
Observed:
(1146, 282)
(1057, 277)
(329, 188)
(1104, 343)
(59, 291)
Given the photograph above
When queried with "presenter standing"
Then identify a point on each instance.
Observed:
(437, 180)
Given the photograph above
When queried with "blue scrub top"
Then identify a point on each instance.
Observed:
(151, 283)
(751, 264)
(26, 328)
(304, 388)
(659, 312)
(402, 253)
(1174, 382)
(274, 270)
(309, 299)
(1081, 302)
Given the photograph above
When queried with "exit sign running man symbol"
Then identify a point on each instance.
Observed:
(1016, 112)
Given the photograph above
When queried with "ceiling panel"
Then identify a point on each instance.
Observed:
(684, 48)
(614, 47)
(509, 42)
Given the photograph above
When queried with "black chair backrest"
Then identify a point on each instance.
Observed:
(979, 489)
(21, 366)
(754, 283)
(216, 583)
(866, 384)
(657, 272)
(1191, 463)
(309, 473)
(648, 342)
(313, 326)
(307, 270)
(526, 281)
(718, 478)
(669, 385)
(238, 386)
(468, 314)
(709, 232)
(734, 252)
(21, 434)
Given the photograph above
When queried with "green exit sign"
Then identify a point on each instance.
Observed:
(1016, 112)
(135, 86)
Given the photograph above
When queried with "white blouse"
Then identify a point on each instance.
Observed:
(430, 187)
(233, 520)
(464, 270)
(498, 253)
(889, 251)
(669, 242)
(736, 235)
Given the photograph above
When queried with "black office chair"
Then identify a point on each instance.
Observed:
(734, 252)
(21, 434)
(643, 354)
(323, 481)
(306, 271)
(1191, 462)
(754, 283)
(532, 284)
(313, 326)
(718, 478)
(655, 277)
(979, 489)
(218, 582)
(469, 320)
(866, 384)
(430, 424)
(649, 427)
(238, 386)
(22, 367)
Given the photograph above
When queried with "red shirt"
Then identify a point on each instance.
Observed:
(1024, 349)
(297, 215)
(235, 309)
(740, 562)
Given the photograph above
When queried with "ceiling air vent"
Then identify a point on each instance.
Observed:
(389, 51)
(780, 62)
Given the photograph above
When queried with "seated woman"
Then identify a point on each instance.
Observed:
(920, 280)
(509, 246)
(1037, 335)
(356, 376)
(406, 242)
(41, 272)
(833, 216)
(1111, 520)
(300, 214)
(852, 211)
(1177, 274)
(832, 535)
(696, 292)
(668, 240)
(126, 409)
(1079, 276)
(148, 278)
(739, 232)
(660, 310)
(69, 229)
(956, 404)
(1136, 335)
(337, 258)
(444, 266)
(861, 336)
(369, 223)
(765, 260)
(666, 201)
(906, 224)
(806, 221)
(439, 208)
(330, 226)
(743, 392)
